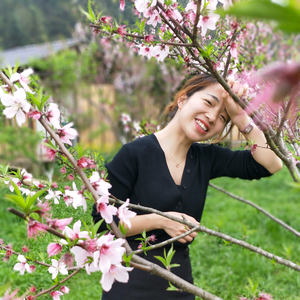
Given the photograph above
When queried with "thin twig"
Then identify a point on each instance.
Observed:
(167, 242)
(196, 19)
(284, 117)
(56, 285)
(280, 222)
(223, 236)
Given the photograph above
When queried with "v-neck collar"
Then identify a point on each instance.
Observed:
(166, 165)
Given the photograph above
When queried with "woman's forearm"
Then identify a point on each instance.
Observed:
(263, 155)
(145, 222)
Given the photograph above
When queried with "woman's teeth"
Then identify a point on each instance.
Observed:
(201, 125)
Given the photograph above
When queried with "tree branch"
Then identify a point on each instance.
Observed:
(280, 222)
(228, 238)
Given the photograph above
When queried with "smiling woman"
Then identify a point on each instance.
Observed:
(170, 171)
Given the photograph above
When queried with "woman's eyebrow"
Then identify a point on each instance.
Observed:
(214, 97)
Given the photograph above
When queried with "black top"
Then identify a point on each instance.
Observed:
(139, 172)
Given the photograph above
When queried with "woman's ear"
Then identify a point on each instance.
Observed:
(181, 100)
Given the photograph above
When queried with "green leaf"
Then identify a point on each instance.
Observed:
(33, 99)
(161, 259)
(172, 287)
(142, 26)
(287, 16)
(30, 200)
(91, 12)
(96, 227)
(17, 200)
(43, 101)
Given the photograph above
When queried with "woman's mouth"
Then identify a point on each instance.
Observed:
(202, 125)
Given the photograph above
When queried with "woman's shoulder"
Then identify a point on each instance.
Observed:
(142, 145)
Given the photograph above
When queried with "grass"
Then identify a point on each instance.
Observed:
(219, 268)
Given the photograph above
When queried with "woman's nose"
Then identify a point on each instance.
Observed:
(211, 115)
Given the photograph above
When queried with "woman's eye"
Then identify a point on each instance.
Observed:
(223, 118)
(208, 102)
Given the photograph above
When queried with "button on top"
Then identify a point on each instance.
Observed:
(179, 202)
(188, 171)
(191, 155)
(184, 186)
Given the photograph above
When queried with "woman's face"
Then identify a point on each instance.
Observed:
(203, 115)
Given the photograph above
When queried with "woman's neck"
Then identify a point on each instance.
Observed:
(173, 141)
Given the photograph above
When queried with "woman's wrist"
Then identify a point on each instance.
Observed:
(241, 121)
(155, 221)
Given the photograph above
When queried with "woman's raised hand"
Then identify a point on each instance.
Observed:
(173, 228)
(233, 109)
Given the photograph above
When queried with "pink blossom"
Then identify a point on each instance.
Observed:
(264, 296)
(233, 50)
(68, 259)
(34, 114)
(54, 195)
(32, 289)
(81, 255)
(71, 177)
(25, 175)
(53, 249)
(59, 224)
(145, 51)
(125, 118)
(23, 78)
(105, 19)
(99, 184)
(208, 22)
(57, 267)
(106, 211)
(191, 6)
(16, 105)
(175, 14)
(140, 5)
(152, 238)
(56, 295)
(32, 268)
(63, 170)
(44, 208)
(22, 265)
(54, 185)
(149, 38)
(16, 181)
(6, 296)
(121, 30)
(7, 255)
(64, 289)
(122, 4)
(25, 249)
(50, 153)
(110, 252)
(67, 133)
(75, 233)
(77, 196)
(154, 18)
(226, 4)
(85, 162)
(160, 52)
(52, 115)
(125, 214)
(115, 272)
(34, 228)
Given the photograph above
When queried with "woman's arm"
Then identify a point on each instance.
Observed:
(265, 157)
(150, 222)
